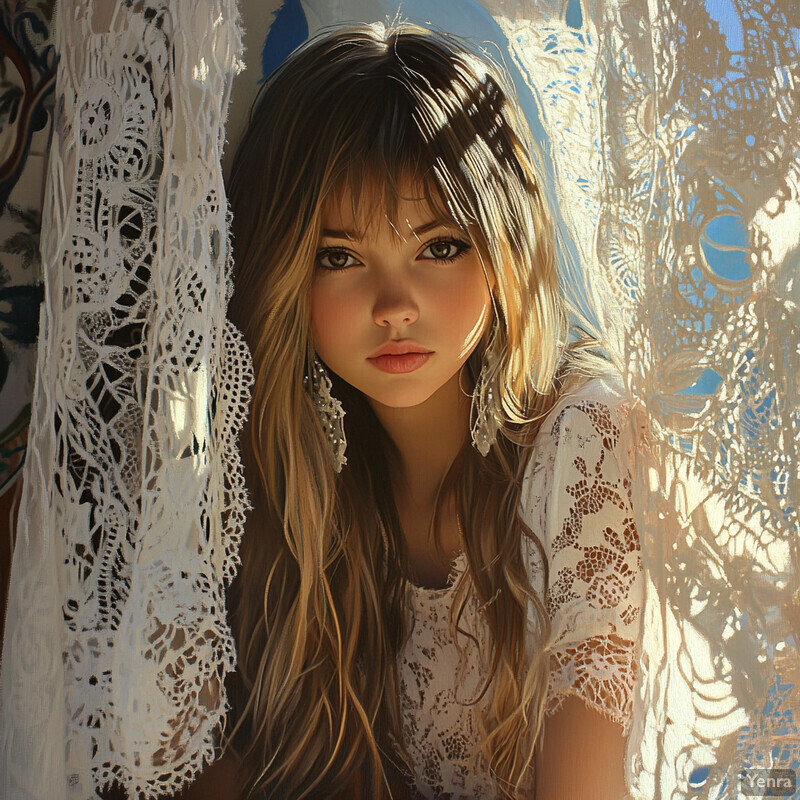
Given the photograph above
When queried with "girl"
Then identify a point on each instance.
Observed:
(442, 546)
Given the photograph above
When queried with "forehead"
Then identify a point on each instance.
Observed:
(406, 207)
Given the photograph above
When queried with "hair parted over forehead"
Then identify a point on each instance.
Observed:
(373, 107)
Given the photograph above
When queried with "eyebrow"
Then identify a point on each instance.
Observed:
(335, 233)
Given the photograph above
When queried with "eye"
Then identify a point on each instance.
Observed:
(445, 249)
(334, 258)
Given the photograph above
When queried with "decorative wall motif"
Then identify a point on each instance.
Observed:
(27, 78)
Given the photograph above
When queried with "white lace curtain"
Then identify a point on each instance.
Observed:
(117, 643)
(676, 137)
(670, 135)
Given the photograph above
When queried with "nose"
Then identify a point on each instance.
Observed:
(394, 305)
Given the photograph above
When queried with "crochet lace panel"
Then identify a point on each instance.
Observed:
(117, 643)
(675, 137)
(576, 497)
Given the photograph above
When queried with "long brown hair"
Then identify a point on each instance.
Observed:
(322, 602)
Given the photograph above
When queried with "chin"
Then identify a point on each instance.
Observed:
(408, 398)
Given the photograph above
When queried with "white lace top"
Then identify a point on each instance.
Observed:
(576, 498)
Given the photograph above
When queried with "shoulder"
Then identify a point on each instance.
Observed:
(598, 406)
(577, 498)
(592, 417)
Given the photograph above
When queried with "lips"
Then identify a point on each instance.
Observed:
(401, 348)
(400, 357)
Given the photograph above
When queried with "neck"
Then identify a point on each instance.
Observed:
(429, 437)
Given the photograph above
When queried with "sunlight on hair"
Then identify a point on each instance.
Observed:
(475, 334)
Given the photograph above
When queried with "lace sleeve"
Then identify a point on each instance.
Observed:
(577, 497)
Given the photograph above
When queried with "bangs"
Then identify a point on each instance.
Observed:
(374, 193)
(385, 157)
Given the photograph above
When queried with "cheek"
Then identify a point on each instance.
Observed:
(469, 305)
(330, 312)
(479, 301)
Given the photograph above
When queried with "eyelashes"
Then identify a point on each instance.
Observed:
(336, 259)
(442, 250)
(446, 249)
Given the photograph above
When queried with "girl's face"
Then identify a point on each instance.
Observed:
(396, 306)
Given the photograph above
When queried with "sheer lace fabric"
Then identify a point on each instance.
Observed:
(438, 693)
(577, 497)
(117, 643)
(675, 135)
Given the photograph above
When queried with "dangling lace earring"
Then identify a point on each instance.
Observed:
(330, 413)
(484, 406)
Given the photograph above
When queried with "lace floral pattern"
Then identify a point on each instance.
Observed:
(579, 493)
(576, 496)
(663, 126)
(438, 690)
(117, 645)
